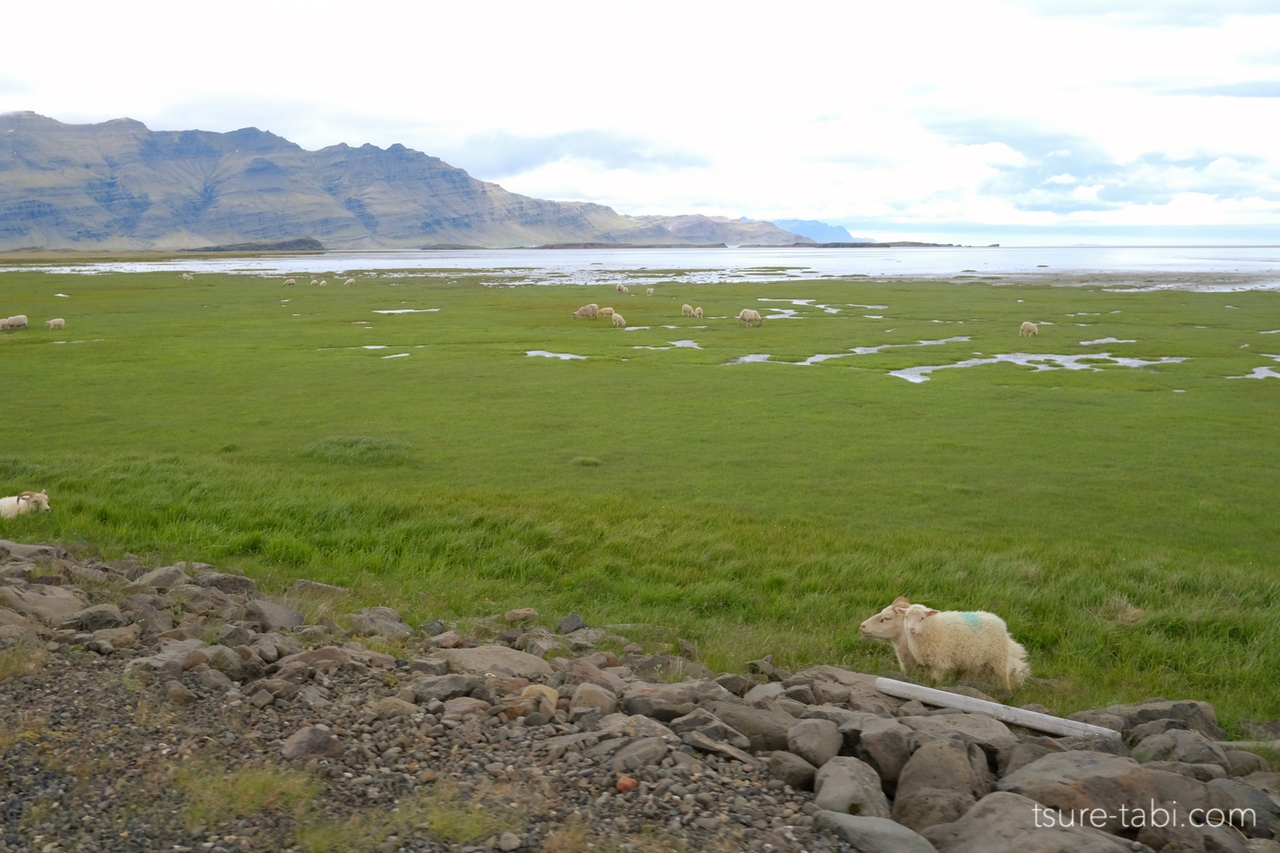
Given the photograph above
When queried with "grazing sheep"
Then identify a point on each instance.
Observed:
(649, 292)
(887, 625)
(315, 282)
(589, 311)
(618, 322)
(288, 282)
(697, 313)
(686, 310)
(349, 282)
(750, 316)
(622, 288)
(18, 321)
(607, 312)
(974, 642)
(323, 282)
(56, 323)
(186, 276)
(4, 323)
(1028, 330)
(12, 507)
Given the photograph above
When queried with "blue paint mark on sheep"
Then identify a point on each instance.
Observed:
(972, 619)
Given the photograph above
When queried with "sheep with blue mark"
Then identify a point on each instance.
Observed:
(973, 642)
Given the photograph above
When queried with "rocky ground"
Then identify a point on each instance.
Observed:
(176, 709)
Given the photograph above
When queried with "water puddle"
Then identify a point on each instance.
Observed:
(63, 295)
(1040, 362)
(674, 345)
(1264, 372)
(749, 359)
(783, 314)
(821, 357)
(806, 303)
(397, 355)
(1270, 332)
(1105, 341)
(407, 311)
(563, 356)
(374, 346)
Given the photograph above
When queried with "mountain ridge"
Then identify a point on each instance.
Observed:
(119, 186)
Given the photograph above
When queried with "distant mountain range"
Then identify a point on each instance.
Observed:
(118, 186)
(820, 232)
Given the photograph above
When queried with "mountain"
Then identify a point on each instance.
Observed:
(118, 186)
(820, 232)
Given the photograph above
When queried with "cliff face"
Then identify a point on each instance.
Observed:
(119, 186)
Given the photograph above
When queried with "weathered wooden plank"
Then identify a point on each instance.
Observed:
(1017, 716)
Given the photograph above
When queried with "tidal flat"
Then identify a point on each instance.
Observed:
(1128, 534)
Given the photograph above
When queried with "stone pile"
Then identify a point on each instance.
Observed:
(150, 669)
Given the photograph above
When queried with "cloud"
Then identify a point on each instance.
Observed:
(1248, 89)
(1171, 13)
(497, 155)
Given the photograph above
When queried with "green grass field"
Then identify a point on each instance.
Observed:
(1128, 534)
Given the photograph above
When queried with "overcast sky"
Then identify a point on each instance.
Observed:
(977, 122)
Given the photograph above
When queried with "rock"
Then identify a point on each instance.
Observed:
(837, 684)
(1241, 763)
(521, 615)
(1201, 772)
(1248, 809)
(885, 744)
(1180, 745)
(1008, 823)
(170, 650)
(466, 705)
(594, 697)
(762, 692)
(941, 781)
(272, 616)
(816, 741)
(1079, 779)
(765, 730)
(496, 659)
(229, 584)
(303, 588)
(700, 741)
(664, 667)
(871, 834)
(988, 732)
(162, 578)
(430, 666)
(214, 681)
(325, 657)
(445, 687)
(793, 770)
(379, 621)
(569, 624)
(1014, 758)
(849, 786)
(1268, 783)
(45, 553)
(96, 618)
(311, 742)
(638, 754)
(177, 694)
(668, 701)
(734, 683)
(15, 626)
(1145, 730)
(51, 605)
(839, 716)
(1199, 716)
(703, 721)
(582, 670)
(622, 724)
(509, 842)
(224, 659)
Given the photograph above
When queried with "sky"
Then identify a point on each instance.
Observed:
(987, 121)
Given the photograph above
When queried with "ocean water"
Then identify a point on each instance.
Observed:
(640, 267)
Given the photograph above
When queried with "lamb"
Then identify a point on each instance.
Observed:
(17, 321)
(56, 323)
(618, 322)
(622, 288)
(974, 642)
(750, 316)
(591, 311)
(697, 313)
(887, 625)
(12, 507)
(288, 282)
(323, 282)
(186, 276)
(1028, 330)
(349, 282)
(607, 312)
(315, 282)
(686, 310)
(649, 292)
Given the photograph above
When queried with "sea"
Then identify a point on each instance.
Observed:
(1242, 267)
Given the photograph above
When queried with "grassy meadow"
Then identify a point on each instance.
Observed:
(1129, 534)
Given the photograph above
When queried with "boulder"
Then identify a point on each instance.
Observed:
(15, 626)
(816, 741)
(1246, 808)
(849, 786)
(628, 726)
(587, 696)
(170, 650)
(465, 706)
(1199, 716)
(272, 616)
(569, 624)
(18, 551)
(1008, 823)
(311, 742)
(765, 730)
(229, 584)
(51, 605)
(162, 579)
(645, 752)
(583, 671)
(942, 780)
(496, 659)
(444, 687)
(793, 770)
(1241, 763)
(661, 668)
(1180, 745)
(96, 618)
(871, 834)
(1082, 780)
(379, 621)
(885, 744)
(668, 701)
(988, 732)
(838, 685)
(700, 741)
(708, 724)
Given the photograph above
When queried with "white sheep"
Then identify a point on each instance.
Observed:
(686, 310)
(288, 282)
(1028, 330)
(349, 282)
(56, 323)
(750, 316)
(315, 282)
(12, 507)
(649, 292)
(622, 288)
(4, 323)
(973, 642)
(186, 276)
(323, 282)
(18, 321)
(697, 313)
(618, 322)
(887, 625)
(606, 312)
(589, 311)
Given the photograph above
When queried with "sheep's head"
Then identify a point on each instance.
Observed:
(39, 500)
(913, 618)
(887, 624)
